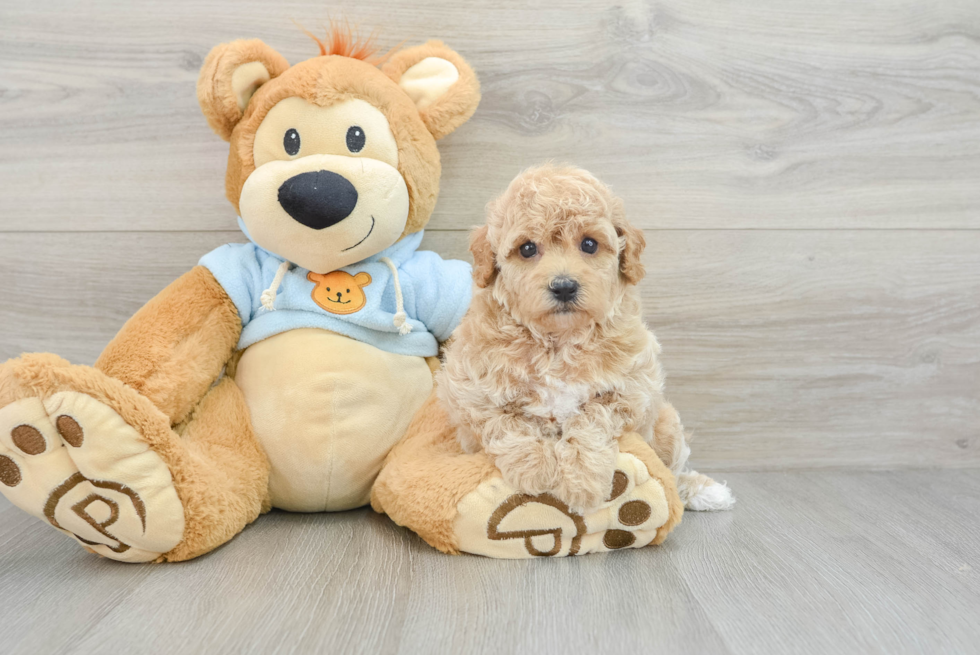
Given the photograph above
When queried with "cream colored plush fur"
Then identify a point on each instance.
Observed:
(307, 391)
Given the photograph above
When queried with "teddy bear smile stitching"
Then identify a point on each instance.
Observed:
(362, 240)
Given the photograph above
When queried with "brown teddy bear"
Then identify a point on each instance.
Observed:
(334, 171)
(281, 372)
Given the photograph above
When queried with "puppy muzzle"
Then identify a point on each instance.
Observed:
(564, 289)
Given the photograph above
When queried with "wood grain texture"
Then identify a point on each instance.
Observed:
(702, 115)
(807, 176)
(814, 562)
(784, 349)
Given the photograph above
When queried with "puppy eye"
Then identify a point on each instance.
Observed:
(355, 138)
(291, 142)
(589, 245)
(528, 250)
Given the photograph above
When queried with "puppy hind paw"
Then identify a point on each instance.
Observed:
(702, 494)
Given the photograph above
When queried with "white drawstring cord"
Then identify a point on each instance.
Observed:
(401, 318)
(269, 295)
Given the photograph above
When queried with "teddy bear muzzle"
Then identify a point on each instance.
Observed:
(318, 199)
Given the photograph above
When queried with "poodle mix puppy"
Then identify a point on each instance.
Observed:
(553, 362)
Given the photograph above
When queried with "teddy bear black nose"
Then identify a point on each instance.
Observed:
(318, 199)
(564, 289)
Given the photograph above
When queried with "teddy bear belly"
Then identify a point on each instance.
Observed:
(327, 409)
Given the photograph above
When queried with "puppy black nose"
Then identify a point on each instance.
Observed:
(318, 199)
(564, 289)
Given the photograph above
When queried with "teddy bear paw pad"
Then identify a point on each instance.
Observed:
(74, 462)
(497, 521)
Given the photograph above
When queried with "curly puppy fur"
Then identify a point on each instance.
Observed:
(553, 363)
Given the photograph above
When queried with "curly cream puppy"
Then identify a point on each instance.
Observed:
(553, 361)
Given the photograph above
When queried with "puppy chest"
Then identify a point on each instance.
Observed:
(559, 400)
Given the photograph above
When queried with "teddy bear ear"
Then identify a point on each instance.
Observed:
(362, 279)
(231, 74)
(441, 84)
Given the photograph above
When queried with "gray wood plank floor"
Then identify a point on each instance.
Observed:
(809, 562)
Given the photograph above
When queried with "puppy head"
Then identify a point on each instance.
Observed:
(557, 250)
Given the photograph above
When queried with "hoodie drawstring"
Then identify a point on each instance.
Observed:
(401, 318)
(269, 295)
(400, 321)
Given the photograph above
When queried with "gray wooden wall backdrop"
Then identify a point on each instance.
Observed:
(808, 175)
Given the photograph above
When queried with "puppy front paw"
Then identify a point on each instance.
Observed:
(585, 475)
(532, 469)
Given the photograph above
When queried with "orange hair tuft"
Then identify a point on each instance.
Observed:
(346, 42)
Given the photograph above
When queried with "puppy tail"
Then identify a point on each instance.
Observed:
(702, 494)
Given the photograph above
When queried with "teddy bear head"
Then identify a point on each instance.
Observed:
(334, 159)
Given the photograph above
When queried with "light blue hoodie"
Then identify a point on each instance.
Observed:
(436, 294)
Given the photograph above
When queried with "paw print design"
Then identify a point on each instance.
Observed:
(74, 462)
(536, 539)
(496, 521)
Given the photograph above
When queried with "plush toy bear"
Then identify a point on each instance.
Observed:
(281, 372)
(324, 319)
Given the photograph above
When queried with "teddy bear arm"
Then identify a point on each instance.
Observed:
(175, 346)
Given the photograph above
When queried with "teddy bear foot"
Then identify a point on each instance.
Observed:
(73, 461)
(521, 525)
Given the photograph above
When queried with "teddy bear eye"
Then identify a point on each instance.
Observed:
(348, 291)
(528, 250)
(328, 288)
(355, 138)
(291, 142)
(589, 245)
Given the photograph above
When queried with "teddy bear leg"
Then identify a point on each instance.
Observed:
(224, 478)
(641, 509)
(426, 475)
(458, 502)
(99, 462)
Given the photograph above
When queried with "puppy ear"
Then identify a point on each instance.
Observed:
(230, 75)
(441, 84)
(484, 261)
(633, 243)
